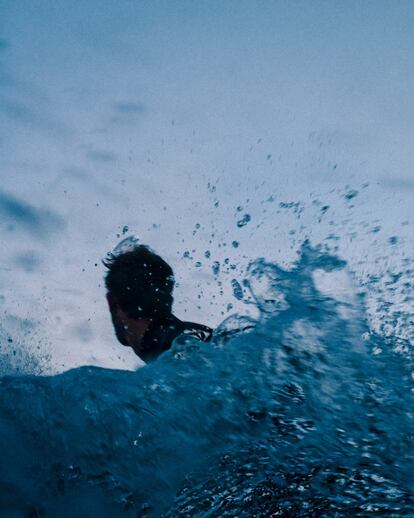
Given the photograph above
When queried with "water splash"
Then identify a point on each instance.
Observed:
(126, 245)
(293, 413)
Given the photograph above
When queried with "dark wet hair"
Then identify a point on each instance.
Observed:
(141, 282)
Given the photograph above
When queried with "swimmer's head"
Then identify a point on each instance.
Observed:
(139, 287)
(141, 282)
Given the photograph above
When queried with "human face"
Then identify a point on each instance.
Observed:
(129, 331)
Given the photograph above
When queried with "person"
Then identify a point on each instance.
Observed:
(140, 287)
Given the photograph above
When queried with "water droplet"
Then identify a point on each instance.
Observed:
(126, 245)
(237, 289)
(351, 194)
(245, 219)
(216, 267)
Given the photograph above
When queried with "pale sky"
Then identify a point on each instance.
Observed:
(176, 119)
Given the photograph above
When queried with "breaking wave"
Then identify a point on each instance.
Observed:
(302, 411)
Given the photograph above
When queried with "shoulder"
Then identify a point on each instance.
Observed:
(199, 331)
(191, 329)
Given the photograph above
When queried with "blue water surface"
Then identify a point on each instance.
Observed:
(303, 411)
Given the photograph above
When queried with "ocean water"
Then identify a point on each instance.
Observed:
(302, 410)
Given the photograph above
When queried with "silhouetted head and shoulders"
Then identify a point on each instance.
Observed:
(140, 288)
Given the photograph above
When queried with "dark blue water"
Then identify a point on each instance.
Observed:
(303, 411)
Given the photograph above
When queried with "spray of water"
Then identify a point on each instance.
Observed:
(303, 411)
